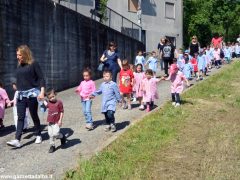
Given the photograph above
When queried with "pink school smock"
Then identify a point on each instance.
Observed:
(3, 100)
(149, 87)
(177, 82)
(85, 89)
(137, 88)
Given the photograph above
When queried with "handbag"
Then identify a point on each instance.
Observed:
(100, 67)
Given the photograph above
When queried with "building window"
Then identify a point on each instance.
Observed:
(169, 10)
(132, 5)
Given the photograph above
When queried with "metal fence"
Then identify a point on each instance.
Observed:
(110, 18)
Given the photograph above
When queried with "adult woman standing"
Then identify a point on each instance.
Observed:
(160, 48)
(29, 80)
(167, 55)
(194, 46)
(111, 60)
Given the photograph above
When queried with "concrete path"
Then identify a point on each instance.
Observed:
(34, 159)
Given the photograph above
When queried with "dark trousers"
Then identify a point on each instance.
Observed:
(218, 62)
(114, 74)
(32, 104)
(109, 116)
(167, 62)
(176, 97)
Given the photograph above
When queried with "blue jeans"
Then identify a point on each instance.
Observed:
(87, 106)
(109, 116)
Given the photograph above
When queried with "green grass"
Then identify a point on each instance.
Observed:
(133, 153)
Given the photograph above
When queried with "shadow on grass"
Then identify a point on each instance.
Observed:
(186, 102)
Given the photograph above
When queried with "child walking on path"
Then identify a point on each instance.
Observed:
(149, 88)
(125, 84)
(139, 59)
(15, 116)
(54, 119)
(201, 59)
(152, 62)
(3, 101)
(195, 65)
(139, 75)
(84, 90)
(111, 96)
(177, 78)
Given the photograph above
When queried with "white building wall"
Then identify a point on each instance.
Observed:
(154, 21)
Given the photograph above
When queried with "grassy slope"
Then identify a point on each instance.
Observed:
(141, 152)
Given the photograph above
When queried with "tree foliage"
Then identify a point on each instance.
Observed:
(204, 18)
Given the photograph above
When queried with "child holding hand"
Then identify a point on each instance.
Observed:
(4, 100)
(139, 75)
(111, 96)
(149, 88)
(54, 119)
(126, 84)
(84, 90)
(177, 78)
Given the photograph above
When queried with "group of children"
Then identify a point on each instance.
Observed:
(136, 81)
(133, 82)
(201, 63)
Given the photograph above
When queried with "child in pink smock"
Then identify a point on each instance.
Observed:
(84, 90)
(3, 101)
(149, 88)
(177, 78)
(139, 75)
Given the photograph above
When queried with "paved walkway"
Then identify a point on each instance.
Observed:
(34, 159)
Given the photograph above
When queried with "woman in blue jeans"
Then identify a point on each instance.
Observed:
(111, 60)
(30, 85)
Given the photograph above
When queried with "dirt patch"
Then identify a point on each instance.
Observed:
(206, 148)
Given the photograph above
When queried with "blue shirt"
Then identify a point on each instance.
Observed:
(201, 62)
(187, 68)
(152, 63)
(139, 60)
(111, 96)
(227, 53)
(112, 60)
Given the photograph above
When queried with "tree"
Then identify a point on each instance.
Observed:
(203, 18)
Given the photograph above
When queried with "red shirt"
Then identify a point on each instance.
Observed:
(126, 78)
(54, 111)
(194, 64)
(217, 42)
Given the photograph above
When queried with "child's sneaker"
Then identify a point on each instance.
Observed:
(141, 107)
(174, 103)
(51, 149)
(177, 104)
(63, 140)
(89, 126)
(14, 143)
(113, 128)
(124, 106)
(38, 140)
(107, 128)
